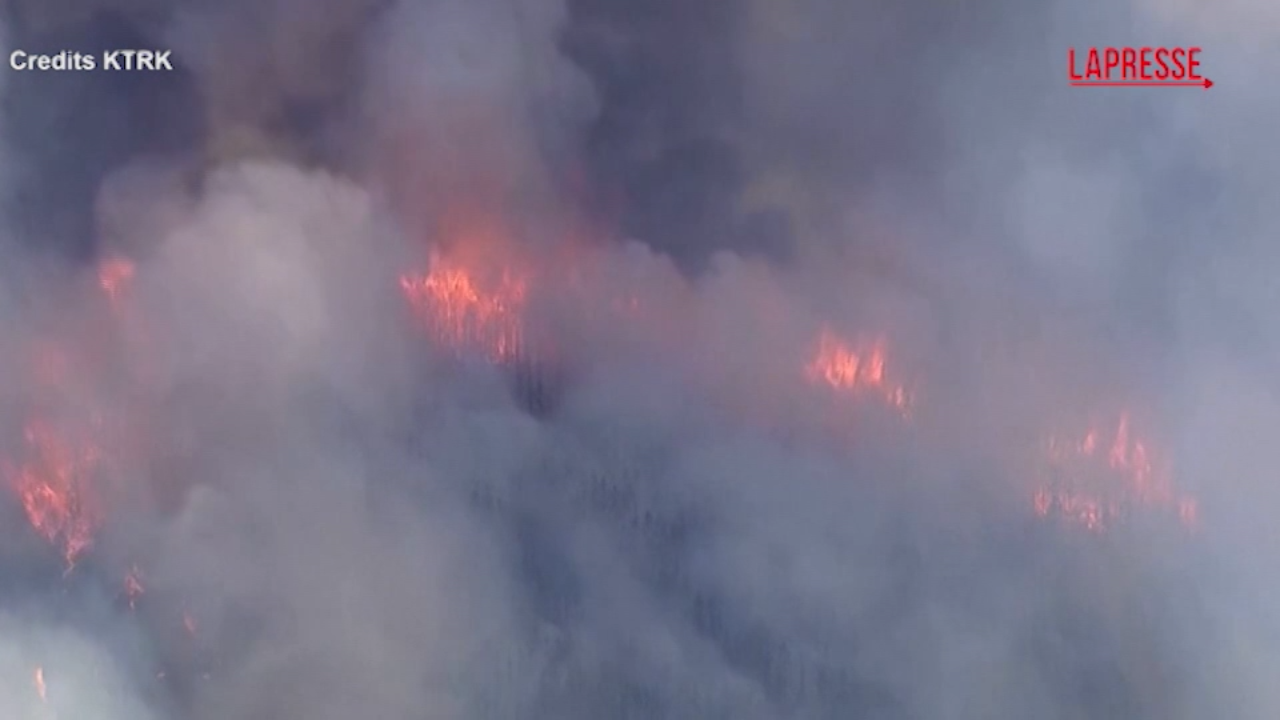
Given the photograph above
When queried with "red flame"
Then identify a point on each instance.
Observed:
(55, 484)
(474, 297)
(844, 369)
(58, 474)
(1096, 478)
(467, 313)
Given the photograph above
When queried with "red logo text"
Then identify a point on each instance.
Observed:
(1116, 66)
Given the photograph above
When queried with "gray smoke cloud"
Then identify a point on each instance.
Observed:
(87, 678)
(334, 515)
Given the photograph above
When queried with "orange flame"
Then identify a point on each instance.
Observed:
(467, 314)
(55, 486)
(41, 690)
(57, 477)
(1092, 486)
(839, 366)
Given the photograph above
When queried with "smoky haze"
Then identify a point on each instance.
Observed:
(329, 510)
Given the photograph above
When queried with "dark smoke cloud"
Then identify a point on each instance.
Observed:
(357, 524)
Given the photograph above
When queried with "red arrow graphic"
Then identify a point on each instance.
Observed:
(1205, 83)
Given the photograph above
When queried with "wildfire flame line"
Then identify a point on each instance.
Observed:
(485, 313)
(55, 487)
(57, 478)
(466, 315)
(1093, 482)
(843, 369)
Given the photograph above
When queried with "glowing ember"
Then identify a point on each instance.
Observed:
(839, 366)
(40, 686)
(55, 486)
(466, 313)
(114, 277)
(1097, 478)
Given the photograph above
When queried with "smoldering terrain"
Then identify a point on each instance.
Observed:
(601, 359)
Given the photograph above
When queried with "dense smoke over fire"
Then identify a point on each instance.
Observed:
(602, 359)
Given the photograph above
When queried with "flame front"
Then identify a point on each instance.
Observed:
(1096, 478)
(55, 485)
(837, 365)
(467, 314)
(58, 473)
(41, 690)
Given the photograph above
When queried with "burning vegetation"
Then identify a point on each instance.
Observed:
(61, 471)
(57, 484)
(1092, 481)
(1097, 478)
(747, 463)
(469, 313)
(477, 304)
(478, 299)
(843, 369)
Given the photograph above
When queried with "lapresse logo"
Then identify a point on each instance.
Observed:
(1136, 67)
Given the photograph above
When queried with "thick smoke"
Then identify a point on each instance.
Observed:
(87, 681)
(334, 516)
